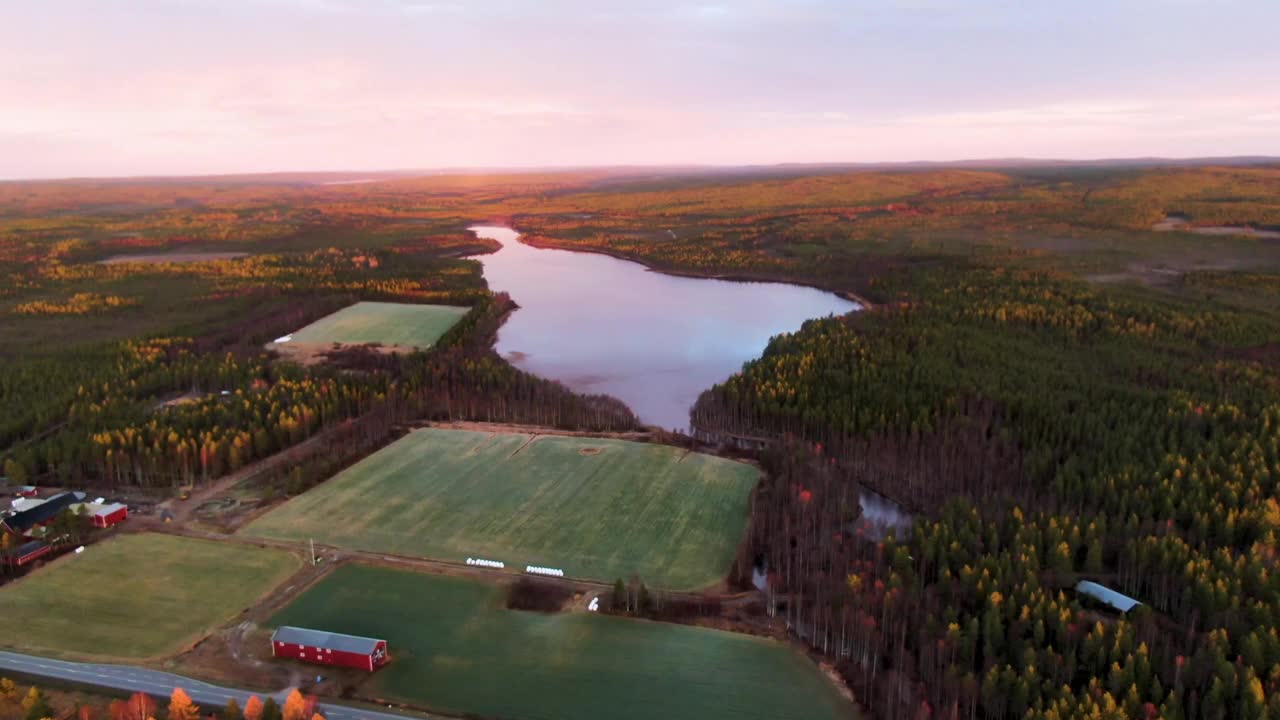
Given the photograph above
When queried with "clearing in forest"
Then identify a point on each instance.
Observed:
(137, 596)
(172, 257)
(399, 325)
(594, 508)
(456, 649)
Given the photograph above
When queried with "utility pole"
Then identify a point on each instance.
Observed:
(313, 551)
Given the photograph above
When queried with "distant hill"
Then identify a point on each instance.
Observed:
(340, 177)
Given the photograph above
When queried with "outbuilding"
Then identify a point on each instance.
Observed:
(1106, 596)
(328, 648)
(104, 516)
(27, 522)
(28, 553)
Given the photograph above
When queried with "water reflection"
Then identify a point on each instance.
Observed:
(603, 325)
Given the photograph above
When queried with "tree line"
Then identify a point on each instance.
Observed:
(1043, 431)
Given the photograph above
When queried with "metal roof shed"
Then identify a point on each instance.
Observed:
(1106, 596)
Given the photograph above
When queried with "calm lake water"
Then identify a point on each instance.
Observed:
(603, 325)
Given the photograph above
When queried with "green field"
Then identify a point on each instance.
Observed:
(137, 596)
(393, 324)
(595, 508)
(455, 649)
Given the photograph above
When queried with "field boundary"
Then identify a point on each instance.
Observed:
(598, 513)
(191, 640)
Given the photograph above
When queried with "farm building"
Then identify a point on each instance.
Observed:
(104, 515)
(27, 522)
(328, 648)
(27, 553)
(1105, 595)
(20, 504)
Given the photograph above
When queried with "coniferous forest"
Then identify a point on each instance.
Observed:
(1055, 387)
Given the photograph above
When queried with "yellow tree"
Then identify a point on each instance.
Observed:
(296, 706)
(181, 707)
(34, 704)
(253, 708)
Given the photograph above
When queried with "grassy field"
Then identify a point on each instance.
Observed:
(398, 324)
(456, 649)
(136, 596)
(594, 508)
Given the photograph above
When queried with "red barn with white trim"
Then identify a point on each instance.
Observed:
(107, 515)
(326, 648)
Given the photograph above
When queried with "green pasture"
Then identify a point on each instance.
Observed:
(456, 649)
(595, 508)
(136, 596)
(396, 324)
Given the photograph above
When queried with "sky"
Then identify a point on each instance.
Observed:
(145, 87)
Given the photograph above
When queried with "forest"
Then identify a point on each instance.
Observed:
(1055, 389)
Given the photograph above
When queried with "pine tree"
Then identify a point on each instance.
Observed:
(619, 596)
(271, 710)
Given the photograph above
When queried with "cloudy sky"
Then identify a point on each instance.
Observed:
(126, 87)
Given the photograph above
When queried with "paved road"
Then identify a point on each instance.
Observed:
(161, 684)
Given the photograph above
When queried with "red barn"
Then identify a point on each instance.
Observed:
(328, 648)
(28, 553)
(107, 515)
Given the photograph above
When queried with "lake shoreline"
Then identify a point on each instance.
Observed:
(550, 244)
(656, 355)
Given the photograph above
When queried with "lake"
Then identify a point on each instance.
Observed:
(1182, 223)
(603, 325)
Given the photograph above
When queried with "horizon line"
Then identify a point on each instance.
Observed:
(394, 173)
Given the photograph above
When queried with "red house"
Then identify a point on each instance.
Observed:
(326, 648)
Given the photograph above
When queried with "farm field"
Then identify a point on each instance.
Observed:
(595, 508)
(456, 649)
(391, 324)
(136, 596)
